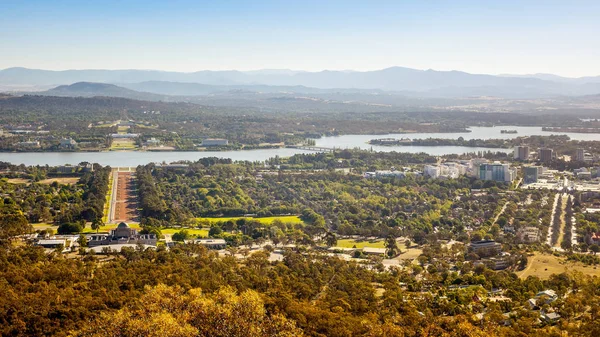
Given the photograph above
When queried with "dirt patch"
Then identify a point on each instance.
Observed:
(19, 181)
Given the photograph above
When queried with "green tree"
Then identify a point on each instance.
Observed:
(330, 239)
(96, 224)
(391, 247)
(12, 225)
(182, 235)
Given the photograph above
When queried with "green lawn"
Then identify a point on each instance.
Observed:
(191, 231)
(265, 220)
(349, 243)
(41, 226)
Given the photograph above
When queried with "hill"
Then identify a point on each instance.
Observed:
(413, 82)
(89, 89)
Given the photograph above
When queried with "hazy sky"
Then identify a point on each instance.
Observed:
(482, 36)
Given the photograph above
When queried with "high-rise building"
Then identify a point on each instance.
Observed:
(531, 174)
(496, 172)
(545, 155)
(580, 155)
(521, 152)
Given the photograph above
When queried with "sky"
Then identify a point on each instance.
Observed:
(491, 37)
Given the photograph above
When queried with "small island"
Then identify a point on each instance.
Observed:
(512, 132)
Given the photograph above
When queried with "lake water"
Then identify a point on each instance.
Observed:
(123, 159)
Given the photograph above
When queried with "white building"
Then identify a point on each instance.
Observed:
(215, 142)
(432, 171)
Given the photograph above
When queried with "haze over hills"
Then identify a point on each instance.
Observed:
(427, 83)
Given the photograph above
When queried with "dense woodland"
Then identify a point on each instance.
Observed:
(192, 292)
(54, 203)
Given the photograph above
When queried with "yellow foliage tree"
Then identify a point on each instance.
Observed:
(170, 311)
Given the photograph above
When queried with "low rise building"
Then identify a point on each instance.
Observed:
(215, 142)
(485, 247)
(210, 243)
(529, 234)
(123, 234)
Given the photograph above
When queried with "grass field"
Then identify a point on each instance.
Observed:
(266, 220)
(64, 181)
(544, 265)
(122, 129)
(349, 243)
(122, 144)
(192, 231)
(41, 226)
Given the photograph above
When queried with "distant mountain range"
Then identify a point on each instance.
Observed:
(406, 81)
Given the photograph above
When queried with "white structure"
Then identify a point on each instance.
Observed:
(215, 142)
(125, 135)
(432, 171)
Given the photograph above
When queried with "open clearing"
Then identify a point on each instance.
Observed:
(265, 220)
(64, 181)
(544, 265)
(18, 181)
(350, 243)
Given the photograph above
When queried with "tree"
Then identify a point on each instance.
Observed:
(182, 235)
(595, 248)
(69, 228)
(407, 243)
(96, 224)
(215, 231)
(12, 225)
(170, 311)
(391, 247)
(82, 241)
(330, 239)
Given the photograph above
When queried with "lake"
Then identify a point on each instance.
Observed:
(124, 159)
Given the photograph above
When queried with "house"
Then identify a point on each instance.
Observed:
(549, 296)
(123, 234)
(215, 142)
(550, 317)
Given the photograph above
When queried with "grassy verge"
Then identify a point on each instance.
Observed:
(107, 199)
